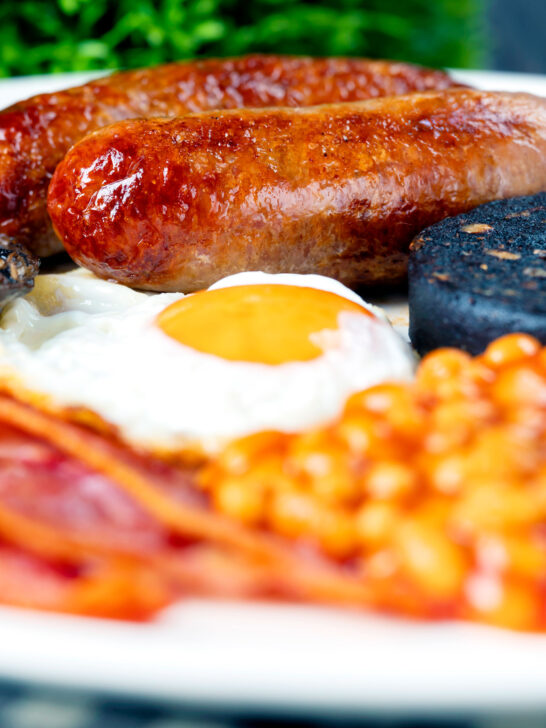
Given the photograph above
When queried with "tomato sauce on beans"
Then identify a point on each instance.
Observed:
(432, 492)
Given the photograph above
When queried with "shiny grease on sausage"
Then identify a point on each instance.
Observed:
(339, 190)
(36, 134)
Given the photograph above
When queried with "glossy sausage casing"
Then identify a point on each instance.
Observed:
(339, 190)
(36, 134)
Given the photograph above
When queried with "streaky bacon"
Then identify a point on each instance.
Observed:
(131, 532)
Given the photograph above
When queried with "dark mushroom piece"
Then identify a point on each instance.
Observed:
(18, 268)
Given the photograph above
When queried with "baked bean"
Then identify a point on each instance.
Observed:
(434, 492)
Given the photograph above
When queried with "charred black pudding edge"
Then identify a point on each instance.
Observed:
(443, 317)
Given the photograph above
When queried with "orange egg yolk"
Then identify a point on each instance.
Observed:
(266, 324)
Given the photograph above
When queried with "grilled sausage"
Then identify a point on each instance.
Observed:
(36, 134)
(175, 204)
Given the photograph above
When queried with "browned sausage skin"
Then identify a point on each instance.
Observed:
(36, 134)
(340, 190)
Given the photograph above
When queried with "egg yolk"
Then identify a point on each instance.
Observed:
(266, 324)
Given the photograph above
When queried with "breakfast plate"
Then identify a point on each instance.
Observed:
(278, 658)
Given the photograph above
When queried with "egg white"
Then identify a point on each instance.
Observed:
(88, 343)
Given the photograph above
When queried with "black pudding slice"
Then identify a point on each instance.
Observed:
(477, 276)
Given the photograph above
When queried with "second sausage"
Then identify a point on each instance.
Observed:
(174, 205)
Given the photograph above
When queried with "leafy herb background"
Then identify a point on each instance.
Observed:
(38, 36)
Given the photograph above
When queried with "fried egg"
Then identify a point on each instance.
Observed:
(171, 371)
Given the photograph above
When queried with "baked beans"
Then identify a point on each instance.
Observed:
(433, 492)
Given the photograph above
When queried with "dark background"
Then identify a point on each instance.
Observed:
(517, 35)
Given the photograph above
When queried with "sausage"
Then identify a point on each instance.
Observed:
(36, 134)
(341, 190)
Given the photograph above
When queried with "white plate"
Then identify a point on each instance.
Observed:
(281, 658)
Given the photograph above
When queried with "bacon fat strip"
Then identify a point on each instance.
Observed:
(36, 134)
(340, 190)
(258, 561)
